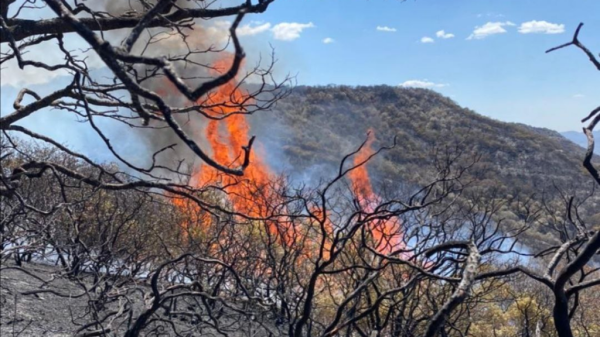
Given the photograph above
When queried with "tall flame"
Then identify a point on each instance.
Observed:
(254, 194)
(226, 138)
(386, 233)
(227, 132)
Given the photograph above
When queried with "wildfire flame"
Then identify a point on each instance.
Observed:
(254, 193)
(386, 233)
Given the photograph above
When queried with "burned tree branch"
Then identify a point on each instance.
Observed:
(21, 29)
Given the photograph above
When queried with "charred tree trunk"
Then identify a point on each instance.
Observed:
(562, 322)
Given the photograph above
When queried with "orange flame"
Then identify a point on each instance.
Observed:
(227, 150)
(253, 194)
(386, 233)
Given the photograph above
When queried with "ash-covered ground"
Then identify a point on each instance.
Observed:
(61, 307)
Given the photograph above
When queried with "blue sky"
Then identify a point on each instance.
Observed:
(506, 75)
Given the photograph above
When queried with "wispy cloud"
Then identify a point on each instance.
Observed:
(426, 39)
(284, 31)
(541, 27)
(578, 96)
(443, 35)
(253, 28)
(328, 40)
(386, 29)
(422, 84)
(490, 14)
(289, 31)
(490, 28)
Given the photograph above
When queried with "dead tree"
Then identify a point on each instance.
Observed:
(147, 79)
(566, 274)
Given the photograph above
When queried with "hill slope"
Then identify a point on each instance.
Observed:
(318, 125)
(580, 139)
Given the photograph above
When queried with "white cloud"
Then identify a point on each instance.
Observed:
(443, 35)
(386, 29)
(289, 31)
(285, 31)
(490, 28)
(426, 39)
(541, 27)
(328, 40)
(490, 14)
(253, 28)
(422, 84)
(578, 96)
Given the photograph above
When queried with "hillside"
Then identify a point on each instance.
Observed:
(579, 139)
(306, 136)
(317, 125)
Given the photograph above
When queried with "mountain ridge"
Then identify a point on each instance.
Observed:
(580, 139)
(336, 119)
(314, 127)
